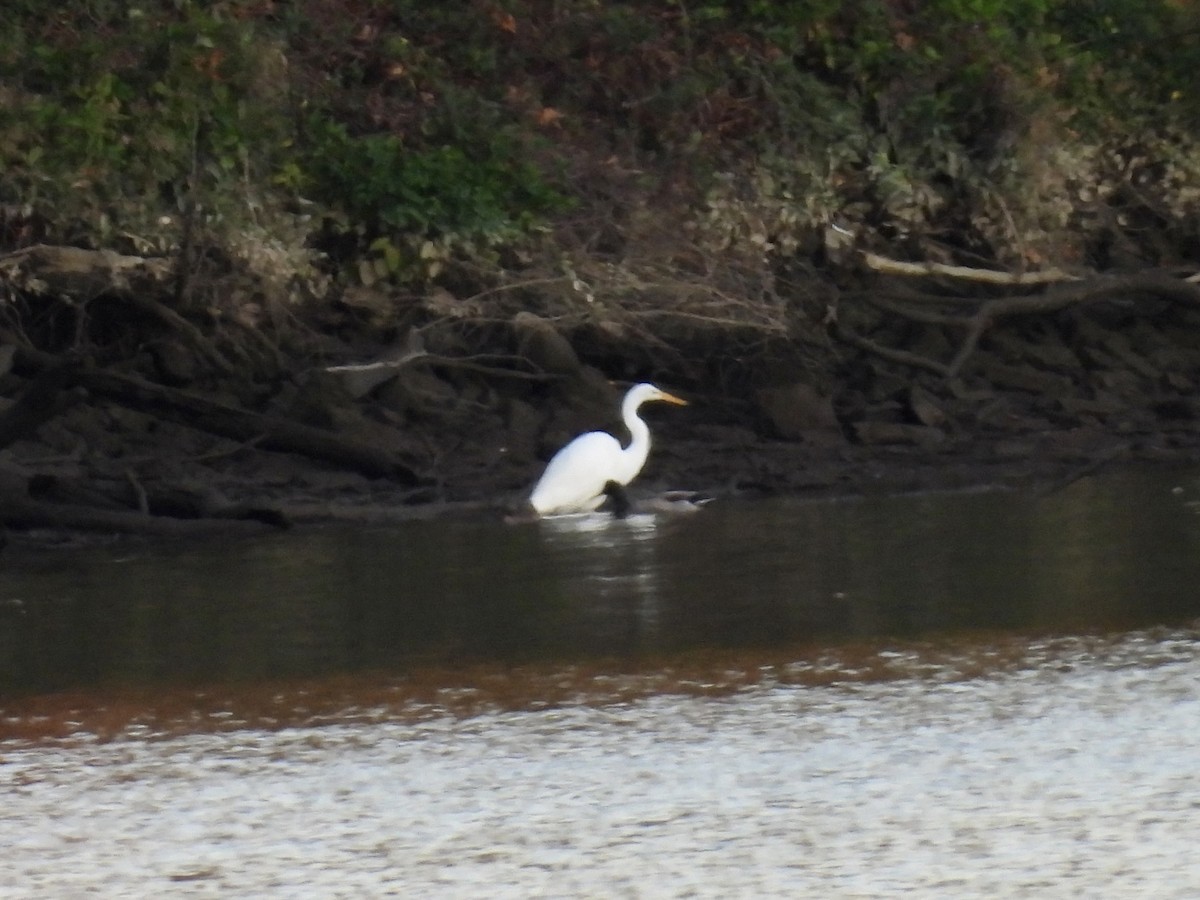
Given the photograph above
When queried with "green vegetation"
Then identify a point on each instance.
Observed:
(340, 127)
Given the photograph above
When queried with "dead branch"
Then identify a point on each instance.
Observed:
(271, 432)
(1056, 297)
(275, 434)
(887, 266)
(178, 323)
(1063, 296)
(453, 362)
(30, 500)
(1091, 467)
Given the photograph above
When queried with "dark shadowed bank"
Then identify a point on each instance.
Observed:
(267, 264)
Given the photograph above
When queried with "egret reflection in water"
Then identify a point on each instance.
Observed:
(614, 569)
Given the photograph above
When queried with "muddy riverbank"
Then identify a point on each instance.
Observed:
(101, 465)
(1043, 402)
(870, 388)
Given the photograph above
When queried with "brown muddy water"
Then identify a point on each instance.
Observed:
(989, 694)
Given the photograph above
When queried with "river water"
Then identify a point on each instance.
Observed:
(976, 694)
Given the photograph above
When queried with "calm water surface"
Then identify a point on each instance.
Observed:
(960, 695)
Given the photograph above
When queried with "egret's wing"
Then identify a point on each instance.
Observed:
(575, 478)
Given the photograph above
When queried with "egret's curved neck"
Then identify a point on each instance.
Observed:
(634, 456)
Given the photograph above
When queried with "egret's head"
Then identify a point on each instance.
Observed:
(644, 393)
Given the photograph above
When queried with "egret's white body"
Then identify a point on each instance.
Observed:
(576, 478)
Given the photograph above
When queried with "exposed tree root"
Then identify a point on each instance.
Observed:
(81, 276)
(1061, 291)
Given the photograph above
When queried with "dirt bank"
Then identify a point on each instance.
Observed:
(915, 384)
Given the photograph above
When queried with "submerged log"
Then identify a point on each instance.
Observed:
(22, 512)
(35, 500)
(176, 501)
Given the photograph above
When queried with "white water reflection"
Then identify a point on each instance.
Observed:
(1071, 776)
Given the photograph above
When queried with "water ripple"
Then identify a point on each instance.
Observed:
(1064, 770)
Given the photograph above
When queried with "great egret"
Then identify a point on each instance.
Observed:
(595, 465)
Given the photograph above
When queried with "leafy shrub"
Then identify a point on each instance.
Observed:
(431, 191)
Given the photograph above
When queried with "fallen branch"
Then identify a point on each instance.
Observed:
(130, 494)
(178, 323)
(80, 276)
(1079, 292)
(30, 500)
(270, 432)
(1066, 293)
(887, 266)
(433, 359)
(1091, 467)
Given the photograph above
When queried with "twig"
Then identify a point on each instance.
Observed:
(433, 359)
(139, 492)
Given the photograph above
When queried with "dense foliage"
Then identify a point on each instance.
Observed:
(417, 132)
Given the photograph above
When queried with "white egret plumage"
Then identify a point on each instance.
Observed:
(594, 465)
